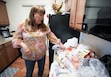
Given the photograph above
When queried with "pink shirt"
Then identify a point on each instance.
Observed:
(36, 41)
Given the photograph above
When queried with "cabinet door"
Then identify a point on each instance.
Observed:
(77, 13)
(3, 58)
(73, 13)
(4, 21)
(16, 52)
(12, 53)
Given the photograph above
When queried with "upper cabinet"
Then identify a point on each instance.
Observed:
(4, 21)
(77, 13)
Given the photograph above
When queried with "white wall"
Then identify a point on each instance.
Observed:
(16, 13)
(100, 46)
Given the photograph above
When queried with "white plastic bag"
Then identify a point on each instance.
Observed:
(88, 67)
(92, 68)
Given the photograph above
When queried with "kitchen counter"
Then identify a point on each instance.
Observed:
(4, 40)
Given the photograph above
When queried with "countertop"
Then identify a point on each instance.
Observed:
(4, 40)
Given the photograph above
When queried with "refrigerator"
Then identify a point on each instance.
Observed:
(59, 25)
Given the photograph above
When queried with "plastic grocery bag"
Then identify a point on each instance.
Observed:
(57, 71)
(92, 67)
(87, 67)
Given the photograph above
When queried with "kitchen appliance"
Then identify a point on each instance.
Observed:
(4, 32)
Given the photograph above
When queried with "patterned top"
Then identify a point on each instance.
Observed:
(35, 40)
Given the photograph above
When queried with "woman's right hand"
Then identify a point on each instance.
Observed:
(62, 46)
(25, 48)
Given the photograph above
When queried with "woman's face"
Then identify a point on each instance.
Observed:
(38, 17)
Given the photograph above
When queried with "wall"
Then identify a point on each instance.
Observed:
(100, 46)
(16, 13)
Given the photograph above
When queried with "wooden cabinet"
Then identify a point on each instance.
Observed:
(4, 21)
(7, 55)
(77, 13)
(10, 51)
(3, 59)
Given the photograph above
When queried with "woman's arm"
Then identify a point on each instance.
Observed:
(17, 37)
(17, 41)
(53, 39)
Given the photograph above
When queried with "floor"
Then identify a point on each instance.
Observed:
(19, 62)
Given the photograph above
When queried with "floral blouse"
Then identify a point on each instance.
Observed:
(36, 41)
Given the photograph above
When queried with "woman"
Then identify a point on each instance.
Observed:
(31, 38)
